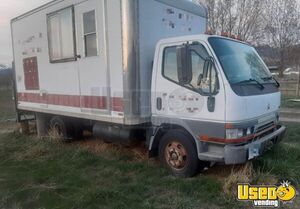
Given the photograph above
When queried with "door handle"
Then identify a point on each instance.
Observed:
(78, 56)
(159, 103)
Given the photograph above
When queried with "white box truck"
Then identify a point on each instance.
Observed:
(143, 69)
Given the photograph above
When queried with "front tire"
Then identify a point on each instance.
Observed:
(178, 153)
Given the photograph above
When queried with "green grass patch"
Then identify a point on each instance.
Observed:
(47, 174)
(7, 108)
(42, 174)
(286, 102)
(284, 160)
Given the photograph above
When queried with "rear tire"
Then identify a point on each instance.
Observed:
(60, 128)
(178, 153)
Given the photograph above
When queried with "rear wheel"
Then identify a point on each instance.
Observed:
(60, 128)
(177, 151)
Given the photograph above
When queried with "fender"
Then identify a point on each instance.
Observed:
(157, 133)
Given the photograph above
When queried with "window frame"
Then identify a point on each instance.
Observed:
(90, 33)
(216, 92)
(163, 64)
(48, 16)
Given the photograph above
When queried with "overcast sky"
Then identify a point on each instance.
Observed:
(8, 10)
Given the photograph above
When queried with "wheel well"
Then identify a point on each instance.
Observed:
(161, 131)
(74, 125)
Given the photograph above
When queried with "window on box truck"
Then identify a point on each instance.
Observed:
(239, 61)
(198, 56)
(61, 35)
(90, 34)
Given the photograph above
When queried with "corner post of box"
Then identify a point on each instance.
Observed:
(130, 48)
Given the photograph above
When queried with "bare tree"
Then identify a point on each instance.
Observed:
(236, 17)
(220, 15)
(250, 19)
(283, 28)
(273, 23)
(212, 17)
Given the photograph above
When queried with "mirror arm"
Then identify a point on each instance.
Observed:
(210, 80)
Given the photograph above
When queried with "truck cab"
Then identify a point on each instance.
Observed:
(214, 98)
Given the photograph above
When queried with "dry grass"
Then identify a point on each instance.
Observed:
(264, 178)
(53, 136)
(32, 150)
(137, 153)
(35, 152)
(51, 187)
(230, 176)
(8, 127)
(247, 174)
(240, 174)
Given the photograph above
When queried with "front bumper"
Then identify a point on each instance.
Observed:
(239, 154)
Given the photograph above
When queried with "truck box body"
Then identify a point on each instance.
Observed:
(93, 59)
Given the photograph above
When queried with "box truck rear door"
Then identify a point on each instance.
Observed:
(90, 44)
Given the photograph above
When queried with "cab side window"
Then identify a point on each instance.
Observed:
(202, 80)
(197, 67)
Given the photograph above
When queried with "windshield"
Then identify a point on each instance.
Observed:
(239, 61)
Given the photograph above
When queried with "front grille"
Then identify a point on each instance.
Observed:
(264, 127)
(264, 130)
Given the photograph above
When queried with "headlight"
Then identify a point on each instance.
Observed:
(249, 131)
(238, 133)
(234, 133)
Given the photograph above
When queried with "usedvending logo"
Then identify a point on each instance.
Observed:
(267, 196)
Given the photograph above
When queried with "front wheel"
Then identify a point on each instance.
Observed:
(177, 151)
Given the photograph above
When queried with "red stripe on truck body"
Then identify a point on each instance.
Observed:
(93, 102)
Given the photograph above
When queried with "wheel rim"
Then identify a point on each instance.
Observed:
(176, 155)
(58, 130)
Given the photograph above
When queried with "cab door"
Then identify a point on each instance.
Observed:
(174, 101)
(92, 69)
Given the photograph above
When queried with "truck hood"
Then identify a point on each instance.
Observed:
(261, 105)
(250, 107)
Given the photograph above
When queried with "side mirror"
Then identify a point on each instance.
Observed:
(208, 73)
(211, 103)
(208, 64)
(184, 64)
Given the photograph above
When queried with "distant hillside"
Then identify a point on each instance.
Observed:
(3, 67)
(272, 55)
(269, 54)
(5, 76)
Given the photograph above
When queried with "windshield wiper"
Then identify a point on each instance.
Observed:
(261, 86)
(272, 78)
